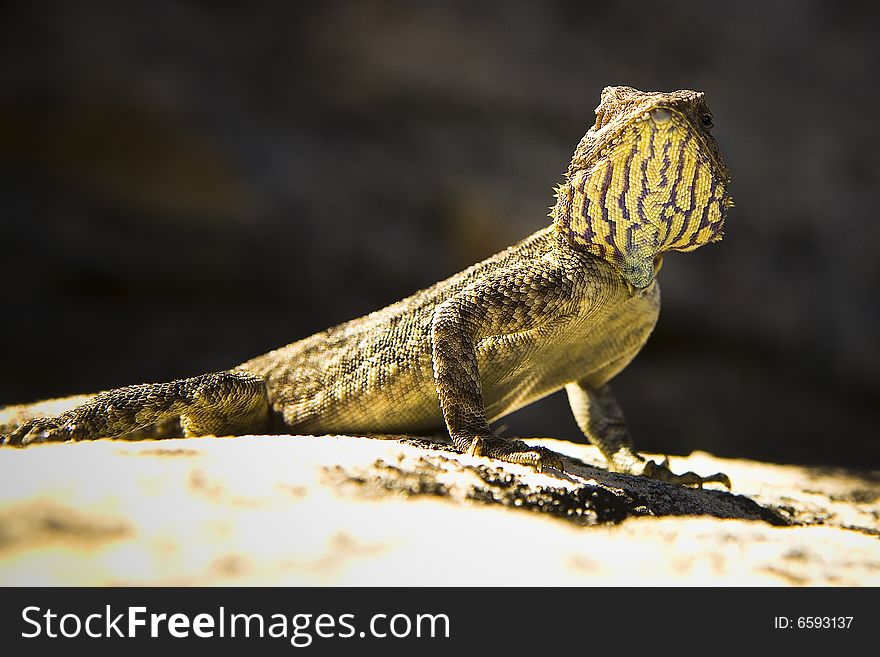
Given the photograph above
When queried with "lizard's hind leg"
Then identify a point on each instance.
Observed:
(220, 403)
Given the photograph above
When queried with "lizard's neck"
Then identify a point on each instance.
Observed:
(600, 211)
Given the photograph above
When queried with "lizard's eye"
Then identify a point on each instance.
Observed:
(706, 120)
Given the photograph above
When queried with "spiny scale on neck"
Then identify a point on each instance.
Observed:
(652, 188)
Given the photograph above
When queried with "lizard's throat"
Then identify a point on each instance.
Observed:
(631, 213)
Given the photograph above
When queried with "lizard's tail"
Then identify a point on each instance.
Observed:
(17, 414)
(230, 402)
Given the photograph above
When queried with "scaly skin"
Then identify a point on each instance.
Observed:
(569, 307)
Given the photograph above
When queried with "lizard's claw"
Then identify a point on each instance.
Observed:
(515, 451)
(38, 430)
(661, 472)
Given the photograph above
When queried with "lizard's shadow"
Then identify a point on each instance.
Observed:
(640, 495)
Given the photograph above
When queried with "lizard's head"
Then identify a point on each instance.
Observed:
(648, 177)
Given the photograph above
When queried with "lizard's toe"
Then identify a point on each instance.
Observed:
(548, 458)
(661, 472)
(516, 451)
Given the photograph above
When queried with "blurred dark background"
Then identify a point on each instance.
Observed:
(185, 185)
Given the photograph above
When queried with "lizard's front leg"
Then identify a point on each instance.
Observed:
(600, 418)
(221, 403)
(511, 301)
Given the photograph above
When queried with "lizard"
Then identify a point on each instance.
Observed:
(568, 307)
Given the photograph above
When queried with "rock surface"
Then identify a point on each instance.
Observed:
(304, 510)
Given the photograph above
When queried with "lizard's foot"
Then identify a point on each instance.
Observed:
(515, 451)
(38, 430)
(661, 472)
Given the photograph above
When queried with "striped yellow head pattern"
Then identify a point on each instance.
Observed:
(647, 178)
